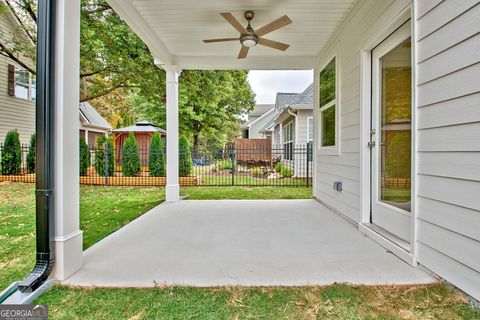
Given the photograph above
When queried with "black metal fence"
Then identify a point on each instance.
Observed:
(21, 171)
(278, 165)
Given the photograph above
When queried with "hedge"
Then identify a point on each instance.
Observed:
(130, 157)
(31, 154)
(84, 157)
(185, 158)
(156, 157)
(11, 153)
(102, 143)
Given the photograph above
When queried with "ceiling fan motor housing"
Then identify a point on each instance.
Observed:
(249, 39)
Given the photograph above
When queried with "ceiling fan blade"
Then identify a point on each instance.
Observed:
(273, 44)
(274, 25)
(243, 53)
(220, 40)
(233, 21)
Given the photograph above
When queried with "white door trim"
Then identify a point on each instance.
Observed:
(365, 100)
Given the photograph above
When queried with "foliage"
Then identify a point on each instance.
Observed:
(104, 148)
(156, 157)
(256, 171)
(225, 164)
(327, 83)
(286, 172)
(278, 167)
(84, 157)
(130, 157)
(185, 157)
(31, 154)
(11, 153)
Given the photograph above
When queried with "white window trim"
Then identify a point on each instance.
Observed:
(30, 84)
(329, 150)
(294, 131)
(308, 129)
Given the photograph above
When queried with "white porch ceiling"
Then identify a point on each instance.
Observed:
(174, 30)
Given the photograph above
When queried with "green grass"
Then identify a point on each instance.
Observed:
(216, 193)
(332, 302)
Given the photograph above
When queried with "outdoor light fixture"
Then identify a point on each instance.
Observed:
(249, 41)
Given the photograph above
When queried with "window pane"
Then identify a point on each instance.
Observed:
(327, 83)
(33, 89)
(328, 127)
(395, 126)
(21, 83)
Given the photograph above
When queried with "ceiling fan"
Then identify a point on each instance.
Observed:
(249, 37)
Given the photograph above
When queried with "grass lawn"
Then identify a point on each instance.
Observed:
(105, 209)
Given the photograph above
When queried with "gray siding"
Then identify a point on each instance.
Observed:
(448, 93)
(302, 126)
(259, 125)
(15, 113)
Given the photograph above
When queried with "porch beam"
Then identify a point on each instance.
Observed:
(172, 189)
(68, 237)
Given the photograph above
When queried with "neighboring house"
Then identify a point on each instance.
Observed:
(143, 132)
(17, 88)
(291, 129)
(17, 97)
(256, 121)
(92, 125)
(292, 123)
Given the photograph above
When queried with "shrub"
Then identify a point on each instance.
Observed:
(84, 157)
(185, 158)
(31, 154)
(104, 144)
(130, 157)
(11, 153)
(156, 157)
(278, 167)
(286, 172)
(256, 171)
(225, 164)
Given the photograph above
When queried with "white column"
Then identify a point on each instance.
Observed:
(172, 189)
(68, 237)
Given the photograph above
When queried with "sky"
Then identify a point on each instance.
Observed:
(266, 84)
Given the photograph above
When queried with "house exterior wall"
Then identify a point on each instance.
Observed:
(302, 126)
(259, 125)
(448, 113)
(447, 129)
(15, 113)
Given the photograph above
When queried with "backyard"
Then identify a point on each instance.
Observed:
(106, 209)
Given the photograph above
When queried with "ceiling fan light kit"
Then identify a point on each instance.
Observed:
(250, 37)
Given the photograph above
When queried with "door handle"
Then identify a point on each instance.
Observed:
(371, 144)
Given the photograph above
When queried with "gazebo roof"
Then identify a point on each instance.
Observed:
(141, 126)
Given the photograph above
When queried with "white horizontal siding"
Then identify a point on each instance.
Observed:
(363, 23)
(448, 92)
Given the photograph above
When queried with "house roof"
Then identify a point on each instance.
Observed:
(304, 98)
(92, 117)
(261, 109)
(141, 126)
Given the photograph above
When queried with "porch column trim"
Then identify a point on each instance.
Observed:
(172, 189)
(68, 236)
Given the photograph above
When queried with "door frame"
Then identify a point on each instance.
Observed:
(365, 225)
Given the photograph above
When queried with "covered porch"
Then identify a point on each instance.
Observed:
(241, 242)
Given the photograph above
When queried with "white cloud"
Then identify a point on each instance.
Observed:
(266, 84)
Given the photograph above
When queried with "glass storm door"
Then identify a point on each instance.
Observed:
(391, 136)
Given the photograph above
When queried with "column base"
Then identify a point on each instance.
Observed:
(172, 193)
(68, 255)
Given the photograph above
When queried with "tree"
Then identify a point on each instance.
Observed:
(84, 157)
(104, 148)
(31, 154)
(156, 157)
(11, 153)
(130, 157)
(185, 157)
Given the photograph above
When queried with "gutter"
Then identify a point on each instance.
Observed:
(26, 290)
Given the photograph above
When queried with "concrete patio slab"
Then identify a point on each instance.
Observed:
(229, 242)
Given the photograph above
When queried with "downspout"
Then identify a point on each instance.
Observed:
(45, 256)
(289, 110)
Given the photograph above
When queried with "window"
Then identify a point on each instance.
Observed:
(328, 102)
(309, 138)
(288, 140)
(25, 84)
